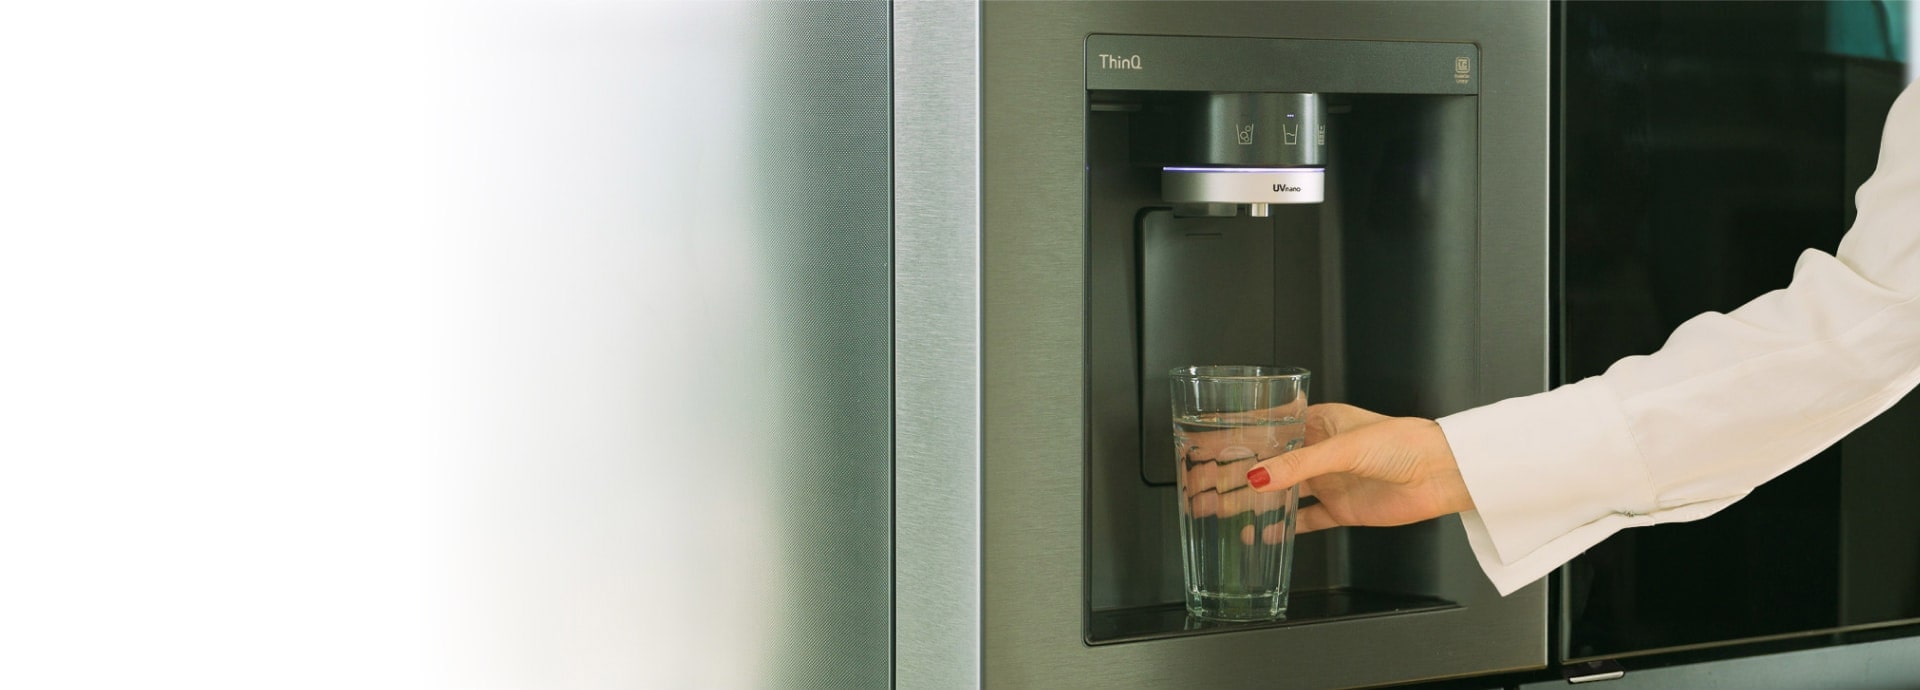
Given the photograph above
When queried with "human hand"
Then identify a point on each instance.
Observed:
(1214, 464)
(1367, 469)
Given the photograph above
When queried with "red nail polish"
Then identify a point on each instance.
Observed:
(1258, 477)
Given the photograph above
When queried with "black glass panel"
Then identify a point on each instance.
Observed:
(1703, 147)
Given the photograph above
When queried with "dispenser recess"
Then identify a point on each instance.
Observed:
(1327, 220)
(1428, 256)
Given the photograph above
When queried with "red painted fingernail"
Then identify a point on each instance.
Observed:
(1258, 477)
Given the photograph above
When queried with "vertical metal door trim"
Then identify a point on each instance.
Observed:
(937, 588)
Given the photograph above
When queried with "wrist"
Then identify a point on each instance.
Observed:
(1446, 468)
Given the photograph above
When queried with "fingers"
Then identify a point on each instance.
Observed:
(1243, 501)
(1231, 503)
(1222, 476)
(1274, 474)
(1313, 518)
(1213, 487)
(1330, 419)
(1271, 534)
(1204, 504)
(1324, 422)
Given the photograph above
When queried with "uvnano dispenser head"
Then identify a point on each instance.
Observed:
(1250, 148)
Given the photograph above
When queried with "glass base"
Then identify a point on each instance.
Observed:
(1237, 608)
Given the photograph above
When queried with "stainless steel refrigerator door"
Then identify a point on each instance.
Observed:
(671, 334)
(937, 344)
(1029, 361)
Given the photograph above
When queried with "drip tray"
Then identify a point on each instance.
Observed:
(1162, 621)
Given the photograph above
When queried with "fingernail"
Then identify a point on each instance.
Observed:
(1258, 477)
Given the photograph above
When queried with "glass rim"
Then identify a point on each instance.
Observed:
(1266, 372)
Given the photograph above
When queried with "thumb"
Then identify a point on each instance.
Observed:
(1327, 420)
(1293, 467)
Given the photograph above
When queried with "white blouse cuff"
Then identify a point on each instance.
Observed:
(1551, 475)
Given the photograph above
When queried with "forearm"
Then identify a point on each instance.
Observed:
(1729, 402)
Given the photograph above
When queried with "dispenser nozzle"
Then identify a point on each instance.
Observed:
(1255, 149)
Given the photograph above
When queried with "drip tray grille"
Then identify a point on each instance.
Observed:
(1160, 621)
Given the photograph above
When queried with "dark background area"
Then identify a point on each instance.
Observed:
(1702, 148)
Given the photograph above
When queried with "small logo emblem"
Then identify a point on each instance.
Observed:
(1462, 70)
(1129, 62)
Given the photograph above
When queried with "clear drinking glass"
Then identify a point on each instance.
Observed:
(1236, 543)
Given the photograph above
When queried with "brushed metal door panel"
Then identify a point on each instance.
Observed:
(937, 624)
(671, 331)
(1033, 394)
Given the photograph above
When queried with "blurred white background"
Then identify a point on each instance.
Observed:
(214, 262)
(377, 344)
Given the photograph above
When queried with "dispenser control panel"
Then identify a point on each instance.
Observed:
(1188, 63)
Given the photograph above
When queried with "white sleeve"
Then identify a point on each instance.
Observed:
(1731, 401)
